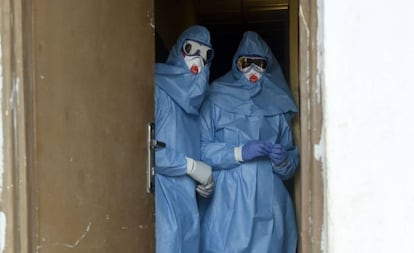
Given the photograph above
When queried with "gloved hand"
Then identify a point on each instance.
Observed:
(199, 171)
(278, 154)
(205, 190)
(255, 149)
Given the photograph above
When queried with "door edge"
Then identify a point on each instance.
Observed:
(15, 174)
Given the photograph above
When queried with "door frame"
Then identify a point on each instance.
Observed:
(310, 194)
(18, 126)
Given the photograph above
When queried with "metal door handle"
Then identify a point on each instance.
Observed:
(152, 143)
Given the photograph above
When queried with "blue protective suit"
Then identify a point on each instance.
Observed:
(250, 210)
(178, 97)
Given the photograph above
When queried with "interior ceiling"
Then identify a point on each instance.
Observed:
(241, 11)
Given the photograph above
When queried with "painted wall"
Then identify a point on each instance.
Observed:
(369, 126)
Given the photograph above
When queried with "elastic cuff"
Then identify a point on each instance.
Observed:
(238, 154)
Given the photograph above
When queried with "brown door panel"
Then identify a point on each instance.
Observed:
(92, 100)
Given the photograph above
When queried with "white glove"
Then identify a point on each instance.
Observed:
(205, 190)
(199, 171)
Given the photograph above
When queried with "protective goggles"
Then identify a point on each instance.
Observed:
(192, 48)
(244, 63)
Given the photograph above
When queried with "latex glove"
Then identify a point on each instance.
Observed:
(199, 171)
(278, 154)
(255, 149)
(205, 190)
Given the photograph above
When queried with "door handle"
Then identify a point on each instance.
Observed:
(152, 144)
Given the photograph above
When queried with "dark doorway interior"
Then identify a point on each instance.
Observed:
(226, 38)
(226, 20)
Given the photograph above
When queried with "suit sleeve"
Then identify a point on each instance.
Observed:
(168, 161)
(287, 169)
(218, 155)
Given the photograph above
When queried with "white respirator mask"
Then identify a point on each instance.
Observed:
(194, 63)
(253, 74)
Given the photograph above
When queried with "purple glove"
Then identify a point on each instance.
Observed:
(255, 149)
(278, 154)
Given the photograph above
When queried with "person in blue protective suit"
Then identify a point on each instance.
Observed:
(247, 139)
(180, 87)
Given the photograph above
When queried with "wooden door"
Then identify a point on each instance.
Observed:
(90, 101)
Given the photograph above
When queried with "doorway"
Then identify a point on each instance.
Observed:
(290, 29)
(227, 21)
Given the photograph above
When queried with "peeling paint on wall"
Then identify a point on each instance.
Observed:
(320, 148)
(150, 20)
(67, 245)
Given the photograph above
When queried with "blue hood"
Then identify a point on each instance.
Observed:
(174, 77)
(268, 96)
